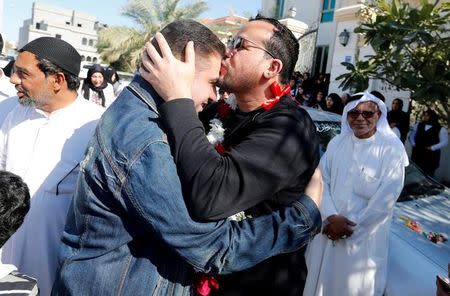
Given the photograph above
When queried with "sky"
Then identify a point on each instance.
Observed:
(108, 11)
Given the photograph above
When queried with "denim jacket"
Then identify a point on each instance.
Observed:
(128, 231)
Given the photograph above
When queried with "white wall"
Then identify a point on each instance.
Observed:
(72, 25)
(342, 54)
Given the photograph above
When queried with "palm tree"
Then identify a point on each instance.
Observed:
(122, 46)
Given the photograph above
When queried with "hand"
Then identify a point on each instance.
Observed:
(170, 77)
(338, 227)
(314, 189)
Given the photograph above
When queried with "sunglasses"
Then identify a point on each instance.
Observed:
(238, 44)
(365, 114)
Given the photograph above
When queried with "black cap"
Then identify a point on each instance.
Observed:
(57, 51)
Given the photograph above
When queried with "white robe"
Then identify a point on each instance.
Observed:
(45, 151)
(362, 181)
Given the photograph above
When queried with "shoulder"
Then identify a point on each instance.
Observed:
(286, 112)
(89, 108)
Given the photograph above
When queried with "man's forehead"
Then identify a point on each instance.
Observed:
(211, 62)
(257, 29)
(367, 104)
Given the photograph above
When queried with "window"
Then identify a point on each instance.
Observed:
(327, 11)
(91, 42)
(58, 36)
(94, 60)
(88, 59)
(67, 23)
(320, 60)
(84, 41)
(41, 26)
(83, 58)
(79, 25)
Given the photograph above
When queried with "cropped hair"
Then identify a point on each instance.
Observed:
(14, 204)
(73, 82)
(283, 45)
(178, 33)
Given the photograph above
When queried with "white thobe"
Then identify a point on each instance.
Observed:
(362, 180)
(45, 151)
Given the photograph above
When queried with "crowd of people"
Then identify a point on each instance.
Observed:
(112, 191)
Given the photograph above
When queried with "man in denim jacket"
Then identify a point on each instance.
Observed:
(128, 231)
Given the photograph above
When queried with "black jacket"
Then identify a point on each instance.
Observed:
(270, 157)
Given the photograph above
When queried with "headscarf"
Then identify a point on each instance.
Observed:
(382, 124)
(383, 127)
(88, 86)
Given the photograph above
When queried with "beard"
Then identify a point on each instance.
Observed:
(35, 102)
(236, 83)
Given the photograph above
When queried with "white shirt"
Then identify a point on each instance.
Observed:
(45, 151)
(443, 137)
(362, 180)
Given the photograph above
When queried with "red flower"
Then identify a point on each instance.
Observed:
(223, 110)
(220, 148)
(278, 93)
(205, 283)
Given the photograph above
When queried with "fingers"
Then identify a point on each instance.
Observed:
(146, 62)
(351, 223)
(189, 55)
(151, 54)
(163, 46)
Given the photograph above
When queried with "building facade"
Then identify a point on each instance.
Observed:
(77, 28)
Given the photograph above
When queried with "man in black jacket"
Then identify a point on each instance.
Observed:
(265, 156)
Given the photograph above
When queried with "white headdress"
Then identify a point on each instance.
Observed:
(382, 124)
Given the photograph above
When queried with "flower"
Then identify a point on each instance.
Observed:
(205, 283)
(217, 131)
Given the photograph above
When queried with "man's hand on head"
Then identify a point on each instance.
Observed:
(170, 77)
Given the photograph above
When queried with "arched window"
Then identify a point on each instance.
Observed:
(83, 58)
(88, 59)
(84, 41)
(94, 60)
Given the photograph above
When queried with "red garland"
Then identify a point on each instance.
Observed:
(220, 148)
(278, 93)
(223, 110)
(205, 283)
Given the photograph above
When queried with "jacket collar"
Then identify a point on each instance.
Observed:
(145, 92)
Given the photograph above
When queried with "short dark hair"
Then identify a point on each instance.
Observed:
(179, 32)
(283, 45)
(73, 81)
(14, 204)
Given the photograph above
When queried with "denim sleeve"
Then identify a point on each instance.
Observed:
(152, 193)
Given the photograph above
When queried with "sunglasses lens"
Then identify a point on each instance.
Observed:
(237, 43)
(353, 114)
(367, 114)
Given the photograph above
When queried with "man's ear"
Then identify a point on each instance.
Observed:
(274, 68)
(59, 81)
